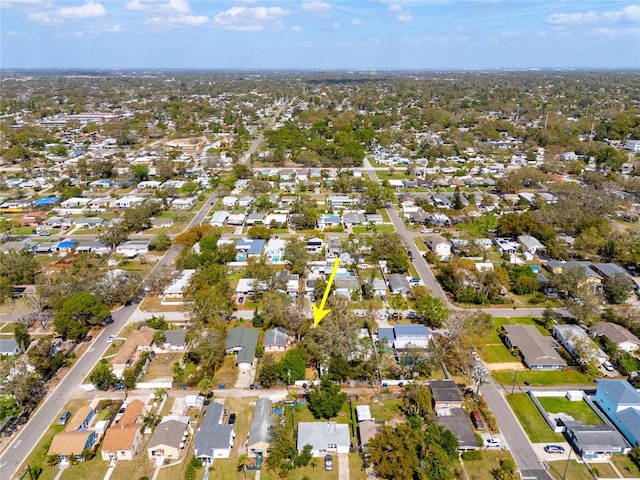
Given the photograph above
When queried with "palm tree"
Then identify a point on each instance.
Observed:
(243, 460)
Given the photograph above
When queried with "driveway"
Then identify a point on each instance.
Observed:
(343, 466)
(246, 377)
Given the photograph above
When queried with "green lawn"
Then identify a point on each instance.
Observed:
(578, 410)
(542, 379)
(385, 215)
(531, 419)
(482, 469)
(574, 470)
(356, 467)
(498, 354)
(626, 466)
(385, 409)
(375, 229)
(604, 470)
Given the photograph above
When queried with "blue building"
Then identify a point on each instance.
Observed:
(621, 403)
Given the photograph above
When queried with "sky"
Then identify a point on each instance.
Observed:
(323, 34)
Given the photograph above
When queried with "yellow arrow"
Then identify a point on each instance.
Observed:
(319, 312)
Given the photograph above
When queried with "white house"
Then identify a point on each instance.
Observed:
(440, 246)
(531, 244)
(133, 248)
(175, 290)
(625, 340)
(128, 201)
(229, 201)
(633, 145)
(184, 203)
(576, 341)
(324, 438)
(219, 218)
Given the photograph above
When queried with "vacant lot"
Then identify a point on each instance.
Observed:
(498, 354)
(483, 469)
(531, 419)
(578, 410)
(161, 366)
(573, 469)
(227, 372)
(542, 379)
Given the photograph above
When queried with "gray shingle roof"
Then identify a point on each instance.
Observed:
(244, 338)
(322, 434)
(212, 434)
(534, 347)
(445, 391)
(275, 337)
(596, 438)
(168, 432)
(175, 337)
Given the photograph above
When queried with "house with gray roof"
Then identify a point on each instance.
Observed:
(622, 337)
(168, 439)
(576, 341)
(531, 244)
(9, 346)
(538, 352)
(401, 337)
(446, 394)
(260, 431)
(592, 441)
(398, 284)
(324, 437)
(175, 340)
(213, 439)
(275, 340)
(242, 342)
(621, 403)
(457, 422)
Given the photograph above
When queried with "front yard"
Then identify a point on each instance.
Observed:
(578, 410)
(531, 378)
(531, 419)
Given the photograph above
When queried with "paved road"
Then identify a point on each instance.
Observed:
(27, 438)
(516, 439)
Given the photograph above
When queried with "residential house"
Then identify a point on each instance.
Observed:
(538, 352)
(324, 437)
(621, 403)
(592, 279)
(169, 439)
(398, 284)
(440, 246)
(531, 244)
(346, 284)
(80, 420)
(75, 202)
(175, 340)
(457, 421)
(611, 270)
(133, 248)
(259, 439)
(68, 444)
(402, 337)
(249, 248)
(353, 219)
(315, 245)
(122, 438)
(446, 394)
(623, 338)
(593, 441)
(341, 201)
(99, 248)
(276, 219)
(184, 203)
(229, 201)
(242, 342)
(367, 427)
(9, 346)
(275, 340)
(161, 222)
(328, 220)
(219, 218)
(236, 219)
(255, 219)
(175, 292)
(137, 342)
(374, 219)
(576, 341)
(213, 439)
(128, 201)
(89, 222)
(274, 250)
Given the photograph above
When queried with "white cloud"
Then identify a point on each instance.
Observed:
(618, 32)
(24, 3)
(395, 8)
(404, 18)
(630, 13)
(159, 6)
(250, 19)
(178, 21)
(357, 21)
(296, 28)
(43, 18)
(88, 10)
(335, 25)
(316, 6)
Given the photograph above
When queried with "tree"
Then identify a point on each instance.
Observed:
(259, 231)
(78, 313)
(269, 372)
(393, 452)
(292, 366)
(297, 255)
(433, 310)
(160, 242)
(326, 400)
(206, 386)
(129, 377)
(23, 339)
(102, 375)
(243, 460)
(398, 262)
(417, 401)
(114, 235)
(140, 172)
(617, 288)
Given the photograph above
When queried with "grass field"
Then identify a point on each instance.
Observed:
(161, 366)
(227, 373)
(604, 470)
(374, 229)
(574, 470)
(356, 467)
(483, 469)
(531, 419)
(578, 410)
(542, 379)
(626, 466)
(498, 354)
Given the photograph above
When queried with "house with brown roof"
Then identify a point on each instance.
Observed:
(80, 420)
(138, 341)
(122, 439)
(70, 444)
(625, 340)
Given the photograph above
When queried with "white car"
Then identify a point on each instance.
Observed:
(111, 338)
(492, 443)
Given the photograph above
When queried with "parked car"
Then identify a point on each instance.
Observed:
(477, 420)
(45, 234)
(64, 418)
(232, 419)
(608, 366)
(328, 462)
(492, 443)
(111, 338)
(554, 449)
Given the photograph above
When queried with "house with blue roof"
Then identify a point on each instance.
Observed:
(621, 403)
(248, 247)
(329, 220)
(45, 202)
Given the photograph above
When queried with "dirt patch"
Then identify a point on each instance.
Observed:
(505, 366)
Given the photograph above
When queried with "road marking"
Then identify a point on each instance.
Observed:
(17, 444)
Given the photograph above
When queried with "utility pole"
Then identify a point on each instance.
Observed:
(513, 387)
(566, 466)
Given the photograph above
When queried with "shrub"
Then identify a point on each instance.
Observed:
(471, 455)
